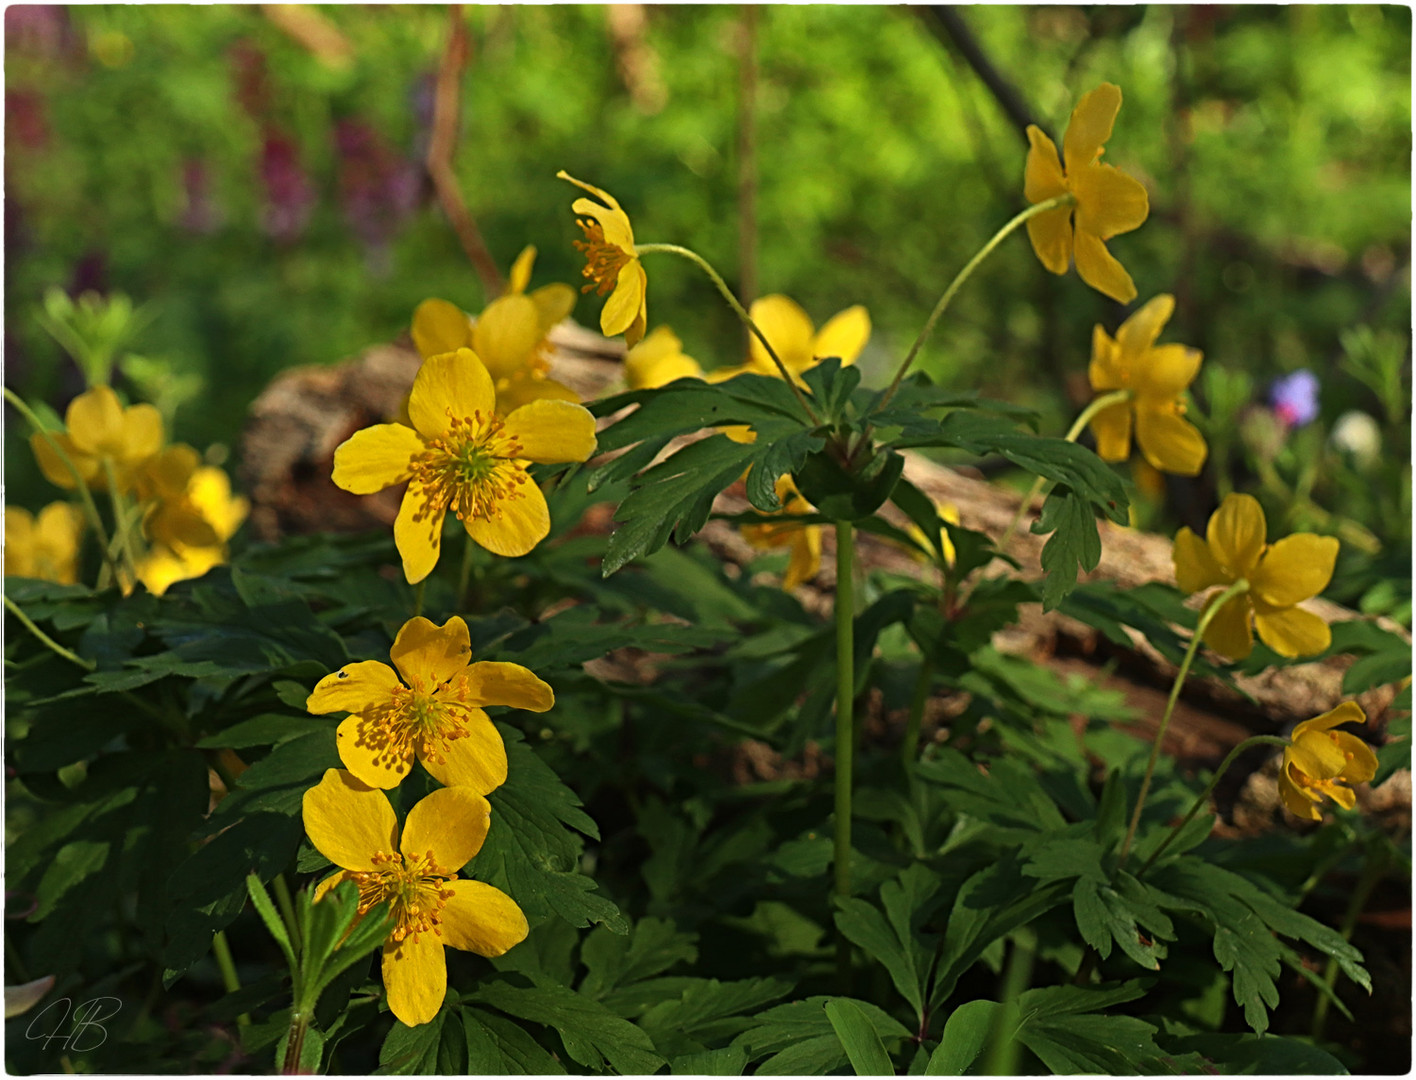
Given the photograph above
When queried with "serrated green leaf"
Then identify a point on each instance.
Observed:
(269, 729)
(727, 1061)
(412, 1051)
(965, 1035)
(797, 1038)
(1074, 544)
(498, 1047)
(859, 1039)
(591, 1033)
(652, 946)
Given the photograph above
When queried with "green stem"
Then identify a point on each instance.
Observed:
(222, 950)
(464, 575)
(287, 909)
(909, 749)
(1373, 869)
(738, 309)
(1074, 433)
(120, 521)
(845, 700)
(1032, 211)
(1003, 1053)
(418, 590)
(1239, 587)
(1203, 798)
(295, 1040)
(85, 496)
(45, 639)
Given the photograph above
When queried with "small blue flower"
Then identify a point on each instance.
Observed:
(1295, 398)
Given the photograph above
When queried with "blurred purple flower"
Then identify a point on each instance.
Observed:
(377, 189)
(200, 215)
(40, 30)
(290, 198)
(1295, 398)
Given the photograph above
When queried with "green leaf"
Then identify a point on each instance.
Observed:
(269, 729)
(727, 1061)
(498, 1047)
(893, 937)
(652, 946)
(1258, 1055)
(965, 1034)
(1062, 1026)
(412, 1051)
(1009, 795)
(700, 1011)
(859, 1039)
(260, 900)
(798, 1039)
(591, 1033)
(1073, 545)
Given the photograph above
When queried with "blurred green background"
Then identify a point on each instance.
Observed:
(264, 201)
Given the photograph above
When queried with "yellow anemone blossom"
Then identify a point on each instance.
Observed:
(612, 263)
(1108, 201)
(1280, 575)
(657, 360)
(43, 546)
(460, 455)
(98, 428)
(1157, 376)
(192, 514)
(947, 512)
(795, 339)
(803, 541)
(1322, 762)
(353, 826)
(434, 713)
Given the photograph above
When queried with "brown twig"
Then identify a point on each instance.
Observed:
(446, 115)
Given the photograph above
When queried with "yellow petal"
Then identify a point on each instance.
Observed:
(1112, 428)
(1294, 569)
(1349, 712)
(1318, 755)
(482, 919)
(440, 327)
(1138, 333)
(415, 977)
(1107, 371)
(95, 421)
(844, 335)
(353, 688)
(521, 524)
(364, 750)
(1236, 535)
(552, 431)
(626, 304)
(1342, 795)
(450, 385)
(520, 275)
(417, 531)
(375, 458)
(477, 761)
(451, 823)
(348, 821)
(1097, 267)
(52, 464)
(1195, 568)
(1090, 126)
(553, 303)
(506, 335)
(805, 559)
(1169, 442)
(1293, 632)
(645, 374)
(142, 434)
(524, 387)
(614, 220)
(789, 329)
(1051, 236)
(1166, 370)
(1361, 763)
(489, 682)
(1109, 202)
(1042, 175)
(1228, 632)
(327, 884)
(428, 655)
(1299, 801)
(59, 527)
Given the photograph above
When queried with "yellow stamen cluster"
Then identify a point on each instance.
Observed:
(414, 722)
(470, 469)
(414, 885)
(603, 260)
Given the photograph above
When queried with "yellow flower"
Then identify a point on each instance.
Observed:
(657, 360)
(44, 547)
(1108, 201)
(1322, 762)
(797, 342)
(98, 428)
(612, 263)
(1156, 375)
(353, 826)
(191, 515)
(434, 713)
(804, 541)
(460, 455)
(163, 566)
(1280, 575)
(948, 512)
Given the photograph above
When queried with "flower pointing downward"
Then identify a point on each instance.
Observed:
(353, 825)
(434, 714)
(1322, 762)
(612, 263)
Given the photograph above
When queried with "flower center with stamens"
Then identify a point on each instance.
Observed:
(414, 723)
(471, 469)
(603, 260)
(414, 885)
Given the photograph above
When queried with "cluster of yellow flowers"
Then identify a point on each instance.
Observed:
(428, 707)
(182, 508)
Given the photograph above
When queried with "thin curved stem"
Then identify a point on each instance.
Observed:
(845, 724)
(85, 496)
(1074, 433)
(121, 524)
(738, 309)
(221, 949)
(45, 639)
(1239, 587)
(1203, 798)
(963, 275)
